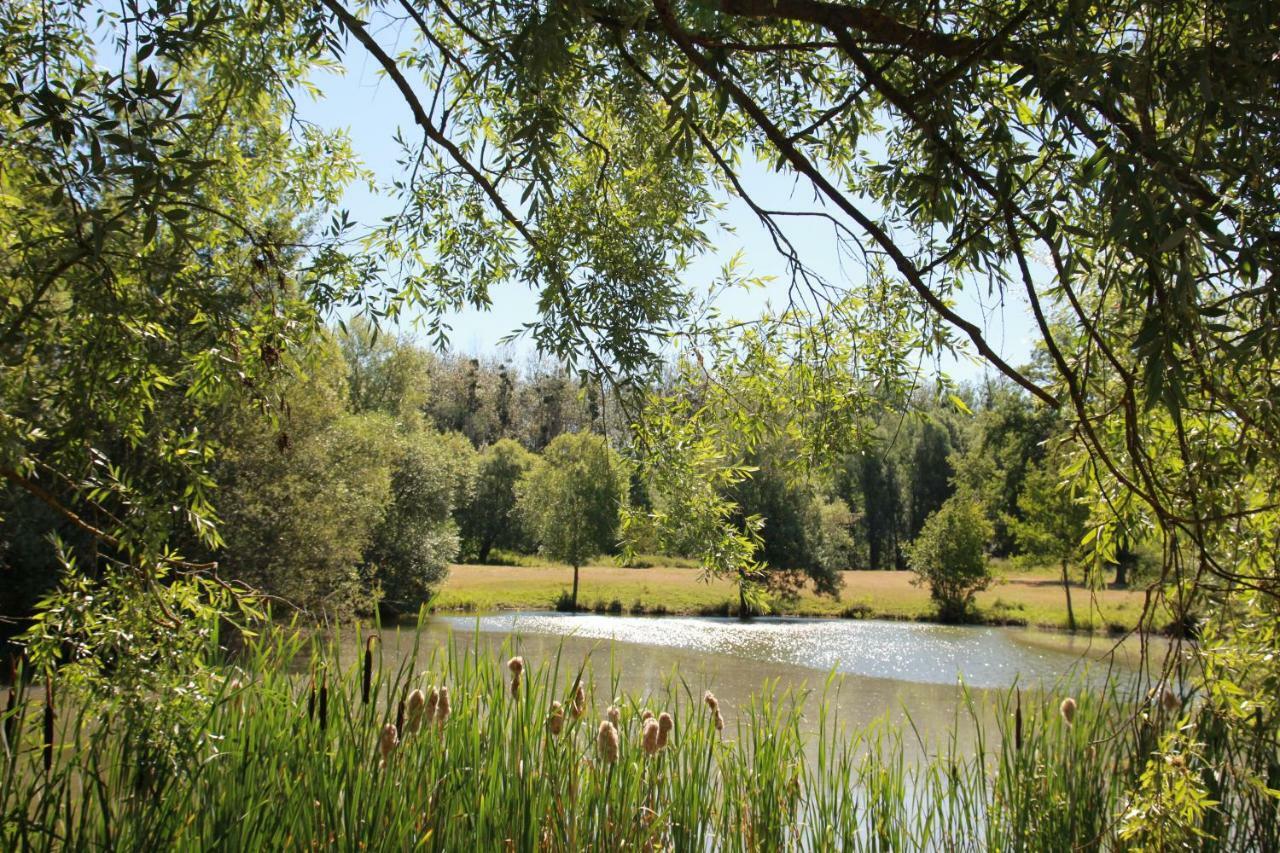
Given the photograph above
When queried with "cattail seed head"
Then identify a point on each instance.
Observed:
(1068, 710)
(579, 701)
(366, 682)
(324, 703)
(719, 722)
(516, 665)
(712, 702)
(607, 742)
(400, 716)
(649, 736)
(614, 715)
(417, 702)
(646, 714)
(311, 700)
(432, 704)
(442, 709)
(1017, 723)
(555, 720)
(1170, 700)
(387, 743)
(665, 725)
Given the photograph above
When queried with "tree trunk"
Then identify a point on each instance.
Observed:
(575, 587)
(1066, 586)
(483, 554)
(742, 598)
(1122, 573)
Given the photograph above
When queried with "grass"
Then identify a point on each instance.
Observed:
(281, 759)
(1019, 596)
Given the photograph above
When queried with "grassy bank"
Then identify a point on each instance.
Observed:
(1020, 597)
(349, 758)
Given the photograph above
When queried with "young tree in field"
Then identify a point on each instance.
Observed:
(950, 556)
(489, 518)
(1052, 523)
(571, 499)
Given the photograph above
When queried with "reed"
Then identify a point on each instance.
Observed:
(314, 759)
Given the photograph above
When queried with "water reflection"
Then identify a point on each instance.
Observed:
(890, 670)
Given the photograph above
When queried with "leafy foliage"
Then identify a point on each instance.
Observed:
(950, 556)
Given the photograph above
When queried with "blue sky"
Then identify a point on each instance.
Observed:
(370, 110)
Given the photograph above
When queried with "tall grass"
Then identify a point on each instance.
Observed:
(284, 758)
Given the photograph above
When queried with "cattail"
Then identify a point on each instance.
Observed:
(47, 746)
(1170, 700)
(1068, 710)
(579, 700)
(516, 665)
(416, 703)
(11, 718)
(614, 715)
(432, 704)
(665, 725)
(387, 743)
(324, 701)
(311, 700)
(714, 704)
(442, 709)
(400, 716)
(607, 742)
(1017, 722)
(649, 736)
(555, 720)
(367, 682)
(646, 714)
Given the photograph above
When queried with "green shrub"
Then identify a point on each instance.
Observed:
(950, 556)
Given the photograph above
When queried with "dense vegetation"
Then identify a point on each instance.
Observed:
(185, 425)
(457, 751)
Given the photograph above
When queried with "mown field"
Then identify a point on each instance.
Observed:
(1024, 597)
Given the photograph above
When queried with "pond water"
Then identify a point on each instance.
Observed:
(877, 669)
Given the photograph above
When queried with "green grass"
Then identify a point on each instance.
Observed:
(280, 759)
(1020, 596)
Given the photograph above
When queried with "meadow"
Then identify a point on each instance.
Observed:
(1019, 596)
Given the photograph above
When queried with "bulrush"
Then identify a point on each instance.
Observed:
(614, 715)
(649, 736)
(432, 704)
(555, 720)
(579, 700)
(646, 714)
(714, 704)
(324, 701)
(1017, 723)
(607, 742)
(366, 683)
(665, 725)
(516, 665)
(387, 743)
(1068, 710)
(442, 709)
(416, 704)
(1170, 700)
(47, 745)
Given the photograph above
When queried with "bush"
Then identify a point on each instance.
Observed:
(950, 555)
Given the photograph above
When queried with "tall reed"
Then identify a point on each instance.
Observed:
(315, 759)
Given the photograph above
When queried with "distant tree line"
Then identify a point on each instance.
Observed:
(374, 463)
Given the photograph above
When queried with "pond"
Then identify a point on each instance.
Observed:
(877, 669)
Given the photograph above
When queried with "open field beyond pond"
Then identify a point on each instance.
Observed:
(1017, 597)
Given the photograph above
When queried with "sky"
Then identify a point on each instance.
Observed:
(370, 110)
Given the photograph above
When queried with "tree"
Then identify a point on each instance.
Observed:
(489, 519)
(571, 499)
(432, 475)
(950, 556)
(300, 503)
(1052, 523)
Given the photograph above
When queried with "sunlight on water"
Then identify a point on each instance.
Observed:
(901, 651)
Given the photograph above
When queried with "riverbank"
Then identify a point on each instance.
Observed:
(1018, 597)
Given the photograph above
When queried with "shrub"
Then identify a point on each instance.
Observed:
(950, 556)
